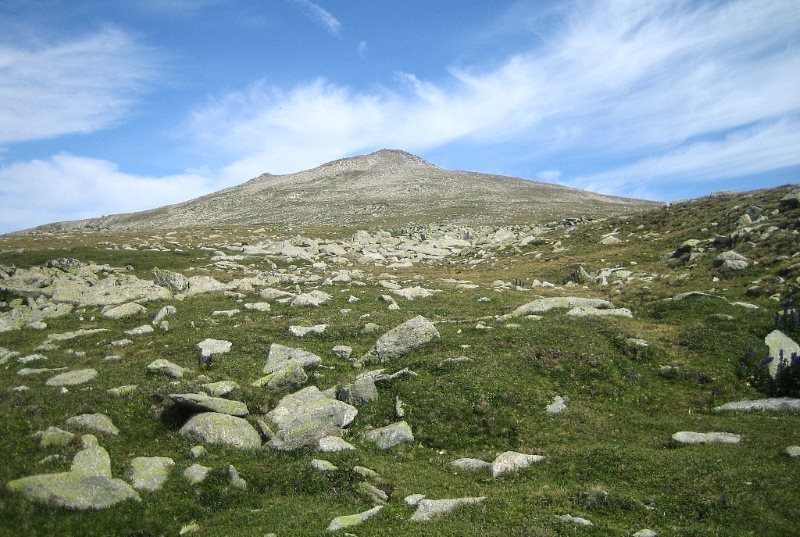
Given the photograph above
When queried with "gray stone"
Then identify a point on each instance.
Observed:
(174, 281)
(93, 459)
(196, 473)
(402, 339)
(791, 200)
(575, 520)
(512, 461)
(775, 404)
(342, 351)
(121, 391)
(306, 416)
(197, 451)
(471, 465)
(234, 479)
(72, 378)
(291, 377)
(53, 437)
(731, 261)
(303, 331)
(372, 493)
(32, 371)
(210, 347)
(322, 465)
(777, 341)
(543, 305)
(150, 473)
(597, 312)
(348, 521)
(74, 491)
(203, 402)
(333, 444)
(362, 391)
(163, 313)
(366, 473)
(314, 299)
(257, 306)
(215, 428)
(412, 293)
(140, 330)
(225, 313)
(94, 422)
(689, 437)
(430, 509)
(123, 311)
(399, 407)
(165, 367)
(222, 388)
(31, 358)
(793, 451)
(280, 356)
(413, 499)
(390, 436)
(264, 430)
(645, 533)
(558, 405)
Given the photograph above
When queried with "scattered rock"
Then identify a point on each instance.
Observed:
(72, 378)
(372, 493)
(348, 521)
(322, 465)
(197, 451)
(196, 473)
(123, 311)
(645, 533)
(121, 391)
(215, 428)
(597, 312)
(342, 351)
(222, 388)
(512, 461)
(793, 451)
(235, 480)
(402, 339)
(413, 499)
(306, 416)
(163, 313)
(390, 436)
(92, 460)
(558, 405)
(94, 422)
(543, 305)
(53, 437)
(689, 437)
(210, 347)
(472, 465)
(779, 343)
(150, 473)
(140, 330)
(314, 299)
(578, 521)
(302, 331)
(257, 306)
(430, 509)
(362, 391)
(165, 367)
(203, 402)
(332, 444)
(775, 404)
(291, 377)
(280, 356)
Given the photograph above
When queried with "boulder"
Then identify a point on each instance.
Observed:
(512, 461)
(123, 311)
(348, 521)
(430, 509)
(402, 339)
(216, 428)
(53, 437)
(72, 378)
(165, 367)
(150, 473)
(363, 390)
(280, 356)
(543, 305)
(291, 377)
(390, 436)
(174, 281)
(303, 331)
(210, 347)
(71, 490)
(693, 438)
(774, 404)
(306, 416)
(314, 299)
(206, 403)
(332, 444)
(163, 313)
(94, 422)
(196, 473)
(223, 388)
(779, 343)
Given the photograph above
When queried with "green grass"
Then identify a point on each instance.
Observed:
(609, 457)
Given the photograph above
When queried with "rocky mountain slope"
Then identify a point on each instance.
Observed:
(387, 187)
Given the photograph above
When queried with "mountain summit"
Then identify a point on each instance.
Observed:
(385, 188)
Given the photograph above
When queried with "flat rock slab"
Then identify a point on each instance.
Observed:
(429, 509)
(402, 339)
(165, 367)
(93, 459)
(314, 299)
(289, 378)
(512, 461)
(72, 378)
(210, 347)
(203, 402)
(150, 473)
(220, 389)
(777, 341)
(578, 521)
(689, 437)
(306, 416)
(280, 356)
(123, 311)
(72, 490)
(775, 404)
(543, 305)
(348, 521)
(140, 330)
(94, 422)
(215, 428)
(390, 436)
(598, 312)
(471, 465)
(196, 473)
(303, 331)
(332, 444)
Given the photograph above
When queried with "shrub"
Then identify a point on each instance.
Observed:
(786, 382)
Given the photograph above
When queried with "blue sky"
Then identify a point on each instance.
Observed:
(111, 106)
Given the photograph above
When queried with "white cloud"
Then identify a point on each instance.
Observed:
(613, 80)
(76, 86)
(321, 16)
(69, 187)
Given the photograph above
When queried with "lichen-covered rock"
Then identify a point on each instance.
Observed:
(348, 521)
(558, 405)
(430, 509)
(306, 416)
(280, 356)
(689, 437)
(165, 367)
(93, 459)
(512, 461)
(774, 404)
(332, 444)
(471, 465)
(314, 299)
(94, 422)
(72, 490)
(342, 351)
(291, 377)
(72, 378)
(222, 388)
(210, 347)
(402, 339)
(543, 305)
(390, 436)
(174, 281)
(361, 391)
(150, 473)
(203, 402)
(578, 521)
(163, 313)
(53, 437)
(131, 309)
(780, 344)
(196, 473)
(321, 465)
(215, 428)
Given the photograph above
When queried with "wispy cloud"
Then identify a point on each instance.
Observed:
(75, 86)
(68, 187)
(617, 81)
(320, 15)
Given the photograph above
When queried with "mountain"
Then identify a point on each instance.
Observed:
(387, 187)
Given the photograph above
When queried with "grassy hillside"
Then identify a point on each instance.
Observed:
(609, 456)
